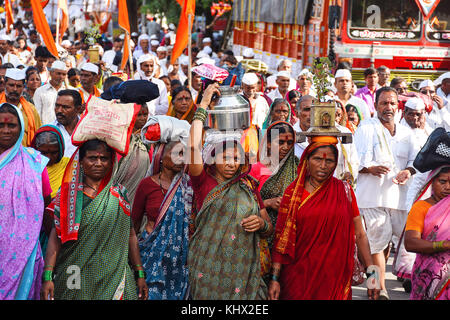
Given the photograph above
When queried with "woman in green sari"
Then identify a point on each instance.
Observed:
(277, 167)
(224, 256)
(93, 238)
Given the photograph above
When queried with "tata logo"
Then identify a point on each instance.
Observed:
(422, 65)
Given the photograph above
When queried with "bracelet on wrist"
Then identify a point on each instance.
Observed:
(274, 277)
(140, 274)
(265, 227)
(47, 275)
(438, 245)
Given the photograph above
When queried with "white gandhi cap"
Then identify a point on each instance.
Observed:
(15, 74)
(250, 79)
(90, 67)
(415, 104)
(59, 65)
(426, 83)
(343, 73)
(283, 74)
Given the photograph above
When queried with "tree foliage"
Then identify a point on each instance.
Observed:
(171, 9)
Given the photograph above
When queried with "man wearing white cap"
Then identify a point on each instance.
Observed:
(154, 44)
(14, 86)
(143, 46)
(444, 90)
(414, 119)
(284, 65)
(439, 116)
(161, 52)
(44, 98)
(344, 84)
(5, 55)
(146, 69)
(259, 105)
(89, 76)
(283, 79)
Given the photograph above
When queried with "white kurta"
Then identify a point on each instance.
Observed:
(376, 146)
(69, 148)
(260, 111)
(44, 100)
(160, 105)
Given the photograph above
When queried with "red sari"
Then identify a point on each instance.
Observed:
(314, 239)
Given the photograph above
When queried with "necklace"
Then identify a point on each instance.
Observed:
(309, 181)
(160, 185)
(90, 187)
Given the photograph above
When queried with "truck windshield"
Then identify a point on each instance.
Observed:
(438, 26)
(384, 20)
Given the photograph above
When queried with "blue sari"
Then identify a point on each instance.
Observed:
(164, 251)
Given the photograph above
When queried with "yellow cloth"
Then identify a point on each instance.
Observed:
(56, 173)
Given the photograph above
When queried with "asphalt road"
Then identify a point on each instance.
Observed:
(394, 287)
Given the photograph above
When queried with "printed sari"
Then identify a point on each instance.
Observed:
(164, 251)
(21, 213)
(224, 260)
(280, 177)
(133, 167)
(93, 260)
(431, 272)
(314, 239)
(404, 260)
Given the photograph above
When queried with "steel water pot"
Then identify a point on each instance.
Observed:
(230, 111)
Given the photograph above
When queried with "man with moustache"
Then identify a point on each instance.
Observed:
(67, 109)
(386, 154)
(259, 105)
(44, 98)
(14, 86)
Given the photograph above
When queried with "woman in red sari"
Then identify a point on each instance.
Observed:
(318, 219)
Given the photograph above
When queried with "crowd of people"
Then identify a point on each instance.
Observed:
(252, 215)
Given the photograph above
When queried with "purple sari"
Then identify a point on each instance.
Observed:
(431, 272)
(21, 212)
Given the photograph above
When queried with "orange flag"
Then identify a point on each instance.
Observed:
(187, 8)
(9, 15)
(42, 27)
(64, 22)
(124, 23)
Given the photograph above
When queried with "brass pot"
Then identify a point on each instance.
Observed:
(94, 54)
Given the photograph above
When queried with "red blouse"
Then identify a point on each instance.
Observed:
(148, 200)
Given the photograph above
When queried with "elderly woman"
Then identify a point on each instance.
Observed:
(93, 239)
(277, 167)
(49, 142)
(224, 256)
(182, 106)
(165, 200)
(279, 110)
(427, 233)
(318, 219)
(354, 116)
(25, 191)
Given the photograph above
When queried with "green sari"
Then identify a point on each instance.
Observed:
(277, 183)
(223, 259)
(92, 263)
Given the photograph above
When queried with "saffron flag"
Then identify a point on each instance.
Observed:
(187, 8)
(124, 23)
(9, 15)
(64, 22)
(43, 28)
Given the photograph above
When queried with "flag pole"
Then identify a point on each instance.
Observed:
(189, 50)
(58, 11)
(130, 55)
